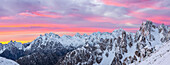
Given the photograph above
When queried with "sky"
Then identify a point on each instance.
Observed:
(24, 20)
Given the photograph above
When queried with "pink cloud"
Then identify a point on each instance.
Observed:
(111, 2)
(44, 15)
(47, 14)
(27, 14)
(74, 15)
(35, 25)
(160, 19)
(79, 16)
(112, 20)
(7, 18)
(99, 19)
(148, 16)
(41, 14)
(88, 29)
(133, 3)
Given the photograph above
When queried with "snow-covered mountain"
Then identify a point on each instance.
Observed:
(4, 61)
(50, 46)
(52, 41)
(119, 47)
(13, 50)
(10, 45)
(116, 48)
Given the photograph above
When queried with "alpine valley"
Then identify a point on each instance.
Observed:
(145, 47)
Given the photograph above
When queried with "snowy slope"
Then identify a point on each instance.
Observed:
(160, 57)
(4, 61)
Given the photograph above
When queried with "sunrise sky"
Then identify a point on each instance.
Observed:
(24, 20)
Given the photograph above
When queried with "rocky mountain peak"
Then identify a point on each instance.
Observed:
(78, 35)
(51, 34)
(85, 35)
(147, 27)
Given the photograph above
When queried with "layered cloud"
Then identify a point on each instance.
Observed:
(34, 17)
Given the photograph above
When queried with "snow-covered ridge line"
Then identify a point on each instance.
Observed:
(117, 47)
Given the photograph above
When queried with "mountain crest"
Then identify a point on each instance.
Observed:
(99, 48)
(52, 35)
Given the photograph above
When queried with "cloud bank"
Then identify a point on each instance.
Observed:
(41, 16)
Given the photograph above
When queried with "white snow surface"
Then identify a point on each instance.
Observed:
(4, 61)
(160, 57)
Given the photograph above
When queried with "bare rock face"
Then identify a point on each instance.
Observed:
(40, 58)
(88, 54)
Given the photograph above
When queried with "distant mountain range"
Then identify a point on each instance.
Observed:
(116, 48)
